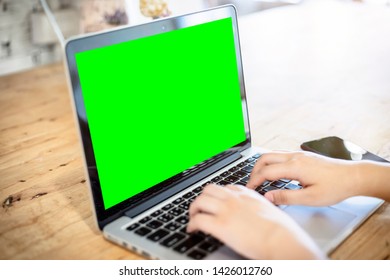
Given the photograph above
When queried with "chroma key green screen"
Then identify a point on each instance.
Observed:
(161, 104)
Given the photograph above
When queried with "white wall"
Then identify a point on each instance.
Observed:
(17, 51)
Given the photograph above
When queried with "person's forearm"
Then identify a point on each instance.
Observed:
(374, 179)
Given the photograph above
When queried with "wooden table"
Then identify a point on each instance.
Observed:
(310, 72)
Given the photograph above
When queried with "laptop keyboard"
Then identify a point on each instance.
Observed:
(167, 226)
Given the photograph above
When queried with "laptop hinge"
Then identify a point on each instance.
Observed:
(172, 190)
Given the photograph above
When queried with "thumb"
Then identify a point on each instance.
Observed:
(288, 197)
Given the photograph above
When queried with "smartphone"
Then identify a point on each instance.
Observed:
(336, 147)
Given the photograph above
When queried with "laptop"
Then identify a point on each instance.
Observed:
(161, 110)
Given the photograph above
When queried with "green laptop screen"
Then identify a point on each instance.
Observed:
(159, 105)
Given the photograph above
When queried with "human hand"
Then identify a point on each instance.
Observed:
(325, 181)
(249, 224)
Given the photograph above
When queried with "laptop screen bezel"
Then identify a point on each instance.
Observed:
(116, 36)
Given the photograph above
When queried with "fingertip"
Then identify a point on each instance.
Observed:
(288, 197)
(189, 228)
(252, 184)
(249, 185)
(278, 197)
(270, 196)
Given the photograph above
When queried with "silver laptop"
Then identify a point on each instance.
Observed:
(162, 112)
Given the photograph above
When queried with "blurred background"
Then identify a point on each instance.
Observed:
(27, 38)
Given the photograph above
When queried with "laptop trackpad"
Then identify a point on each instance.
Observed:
(322, 223)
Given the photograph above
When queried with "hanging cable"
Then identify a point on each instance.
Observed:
(53, 22)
